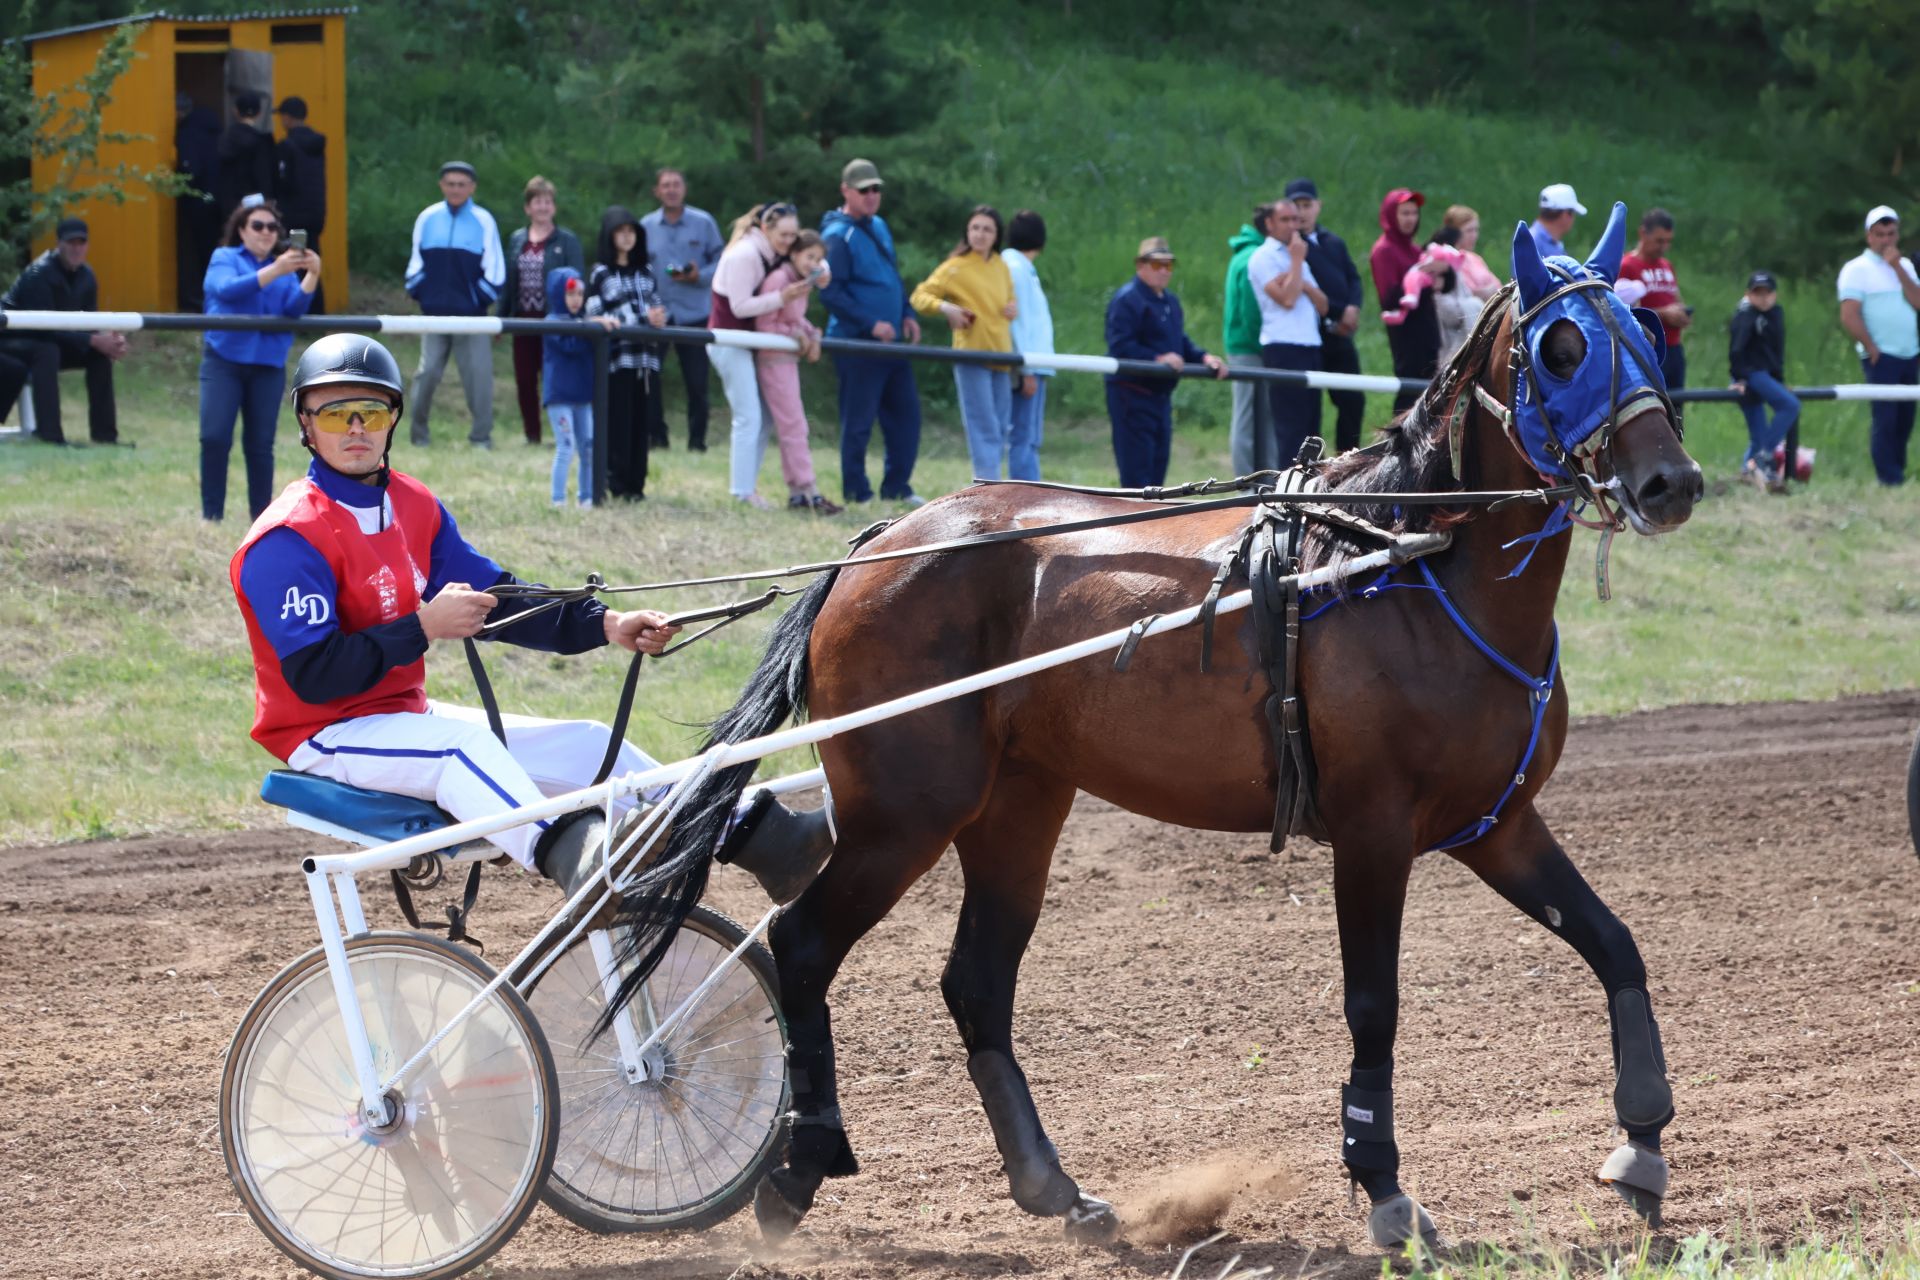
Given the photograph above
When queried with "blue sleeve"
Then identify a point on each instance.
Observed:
(230, 282)
(293, 597)
(574, 628)
(1123, 328)
(453, 559)
(838, 295)
(1189, 352)
(296, 300)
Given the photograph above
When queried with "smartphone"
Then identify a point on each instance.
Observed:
(818, 271)
(297, 240)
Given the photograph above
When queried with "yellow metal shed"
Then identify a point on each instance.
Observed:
(277, 53)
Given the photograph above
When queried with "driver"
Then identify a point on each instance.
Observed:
(356, 569)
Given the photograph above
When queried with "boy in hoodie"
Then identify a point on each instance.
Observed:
(566, 379)
(1757, 363)
(867, 299)
(1251, 439)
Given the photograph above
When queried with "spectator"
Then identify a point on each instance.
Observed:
(1032, 336)
(1558, 208)
(622, 288)
(1878, 296)
(779, 371)
(61, 280)
(1481, 283)
(973, 289)
(300, 184)
(1757, 363)
(196, 144)
(1250, 439)
(1456, 308)
(456, 269)
(1438, 258)
(534, 253)
(759, 241)
(1332, 265)
(568, 380)
(1647, 272)
(1145, 322)
(243, 371)
(866, 298)
(246, 155)
(1415, 341)
(1291, 307)
(683, 244)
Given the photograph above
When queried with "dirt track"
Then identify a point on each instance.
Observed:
(1180, 1005)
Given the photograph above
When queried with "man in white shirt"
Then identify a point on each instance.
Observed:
(1291, 304)
(1879, 301)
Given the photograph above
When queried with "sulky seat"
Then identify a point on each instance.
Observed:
(350, 813)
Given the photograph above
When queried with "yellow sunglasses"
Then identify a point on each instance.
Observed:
(336, 417)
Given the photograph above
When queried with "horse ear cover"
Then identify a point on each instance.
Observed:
(1605, 258)
(1528, 271)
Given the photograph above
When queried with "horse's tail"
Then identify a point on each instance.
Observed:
(667, 891)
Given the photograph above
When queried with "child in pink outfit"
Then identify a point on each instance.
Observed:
(779, 371)
(1423, 275)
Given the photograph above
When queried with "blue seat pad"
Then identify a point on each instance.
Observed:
(379, 814)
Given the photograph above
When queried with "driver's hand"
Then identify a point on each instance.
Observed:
(457, 612)
(640, 630)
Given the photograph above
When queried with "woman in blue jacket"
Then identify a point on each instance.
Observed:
(243, 371)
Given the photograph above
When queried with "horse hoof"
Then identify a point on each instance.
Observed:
(1398, 1219)
(1091, 1221)
(1638, 1176)
(777, 1215)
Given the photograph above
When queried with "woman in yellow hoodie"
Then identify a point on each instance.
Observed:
(974, 290)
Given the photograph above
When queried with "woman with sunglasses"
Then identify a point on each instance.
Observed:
(243, 371)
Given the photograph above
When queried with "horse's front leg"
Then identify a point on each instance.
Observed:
(1527, 867)
(1370, 893)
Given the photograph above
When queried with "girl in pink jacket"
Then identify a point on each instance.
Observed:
(779, 371)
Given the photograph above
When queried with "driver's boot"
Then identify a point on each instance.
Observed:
(568, 852)
(783, 848)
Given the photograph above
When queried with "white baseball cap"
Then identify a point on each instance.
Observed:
(1560, 196)
(1880, 213)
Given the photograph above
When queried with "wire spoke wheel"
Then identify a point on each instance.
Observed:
(1913, 794)
(685, 1146)
(460, 1165)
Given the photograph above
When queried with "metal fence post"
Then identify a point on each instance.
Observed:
(602, 423)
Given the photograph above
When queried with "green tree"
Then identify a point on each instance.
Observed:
(65, 128)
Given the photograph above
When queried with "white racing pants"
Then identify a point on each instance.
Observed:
(448, 755)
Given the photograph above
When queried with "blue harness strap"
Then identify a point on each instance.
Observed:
(1539, 688)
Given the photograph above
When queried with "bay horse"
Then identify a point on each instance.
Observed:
(1416, 722)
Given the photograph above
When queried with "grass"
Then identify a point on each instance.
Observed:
(124, 694)
(1697, 1257)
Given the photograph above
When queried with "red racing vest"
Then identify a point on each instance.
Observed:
(380, 578)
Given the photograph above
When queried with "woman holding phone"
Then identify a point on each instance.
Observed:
(760, 240)
(242, 372)
(974, 290)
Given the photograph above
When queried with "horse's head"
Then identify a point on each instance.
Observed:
(1588, 397)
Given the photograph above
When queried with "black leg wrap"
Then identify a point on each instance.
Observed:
(817, 1147)
(1642, 1099)
(1366, 1132)
(1031, 1164)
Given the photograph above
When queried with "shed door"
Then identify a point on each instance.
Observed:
(249, 70)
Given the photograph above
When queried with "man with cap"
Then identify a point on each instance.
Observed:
(61, 280)
(866, 298)
(1145, 322)
(1558, 208)
(246, 155)
(1879, 294)
(346, 581)
(1339, 278)
(301, 186)
(457, 268)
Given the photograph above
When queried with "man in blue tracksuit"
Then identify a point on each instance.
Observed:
(1145, 322)
(866, 298)
(457, 269)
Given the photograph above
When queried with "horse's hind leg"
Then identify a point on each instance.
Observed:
(1527, 867)
(1005, 854)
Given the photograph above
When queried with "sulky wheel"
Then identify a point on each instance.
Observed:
(680, 1140)
(1913, 794)
(473, 1127)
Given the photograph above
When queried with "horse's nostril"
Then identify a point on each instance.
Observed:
(1653, 492)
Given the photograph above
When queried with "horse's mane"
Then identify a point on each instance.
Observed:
(1415, 456)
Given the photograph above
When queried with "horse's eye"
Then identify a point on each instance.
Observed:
(1563, 349)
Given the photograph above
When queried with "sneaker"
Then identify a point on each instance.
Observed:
(913, 500)
(586, 504)
(1751, 473)
(755, 501)
(559, 503)
(798, 502)
(824, 506)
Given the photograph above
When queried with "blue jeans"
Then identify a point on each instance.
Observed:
(251, 393)
(1027, 432)
(986, 411)
(572, 434)
(1892, 419)
(870, 387)
(1764, 391)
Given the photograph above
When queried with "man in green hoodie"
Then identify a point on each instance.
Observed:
(1254, 444)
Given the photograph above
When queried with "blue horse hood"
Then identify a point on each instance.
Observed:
(557, 291)
(1622, 361)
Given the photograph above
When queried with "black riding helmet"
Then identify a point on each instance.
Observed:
(349, 357)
